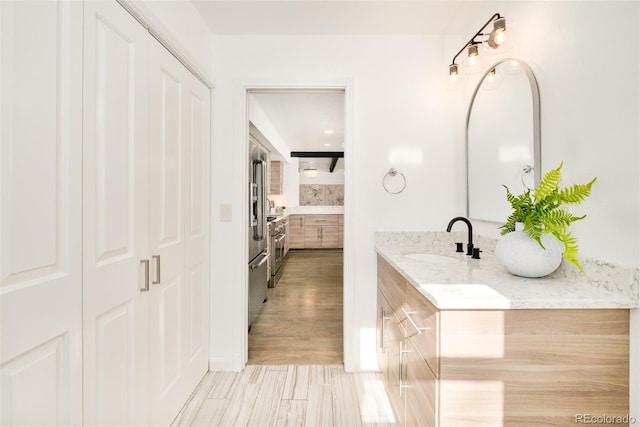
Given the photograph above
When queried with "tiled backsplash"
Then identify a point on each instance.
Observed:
(321, 195)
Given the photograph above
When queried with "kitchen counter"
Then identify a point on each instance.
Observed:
(315, 210)
(485, 283)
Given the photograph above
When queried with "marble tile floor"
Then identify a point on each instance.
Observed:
(288, 395)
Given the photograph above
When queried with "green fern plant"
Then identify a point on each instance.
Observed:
(541, 211)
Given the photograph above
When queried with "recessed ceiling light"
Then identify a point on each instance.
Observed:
(327, 145)
(328, 131)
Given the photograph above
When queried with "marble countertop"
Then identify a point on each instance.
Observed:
(466, 283)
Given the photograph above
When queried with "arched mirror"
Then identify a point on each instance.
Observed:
(503, 139)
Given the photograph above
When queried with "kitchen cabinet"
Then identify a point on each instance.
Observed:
(287, 230)
(321, 231)
(275, 177)
(296, 231)
(498, 367)
(316, 231)
(341, 231)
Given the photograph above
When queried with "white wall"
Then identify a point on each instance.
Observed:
(589, 111)
(590, 93)
(189, 33)
(401, 117)
(324, 177)
(405, 115)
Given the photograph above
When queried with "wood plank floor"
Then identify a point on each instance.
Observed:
(281, 395)
(301, 323)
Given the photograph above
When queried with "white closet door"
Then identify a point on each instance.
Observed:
(115, 217)
(196, 265)
(40, 198)
(198, 190)
(178, 183)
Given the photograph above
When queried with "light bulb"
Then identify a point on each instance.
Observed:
(499, 39)
(496, 37)
(491, 76)
(472, 53)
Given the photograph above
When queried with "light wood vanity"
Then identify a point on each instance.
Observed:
(451, 367)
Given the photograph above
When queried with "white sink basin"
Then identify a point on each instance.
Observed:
(438, 259)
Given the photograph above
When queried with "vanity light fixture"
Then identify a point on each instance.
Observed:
(493, 40)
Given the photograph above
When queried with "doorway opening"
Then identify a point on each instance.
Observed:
(303, 131)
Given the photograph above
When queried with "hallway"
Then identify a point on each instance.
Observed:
(301, 323)
(294, 376)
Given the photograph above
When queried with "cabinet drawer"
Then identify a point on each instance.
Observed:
(321, 220)
(425, 317)
(391, 284)
(420, 387)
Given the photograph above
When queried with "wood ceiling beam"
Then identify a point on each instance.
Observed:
(325, 154)
(334, 161)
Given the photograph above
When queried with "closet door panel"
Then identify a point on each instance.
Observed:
(40, 214)
(166, 143)
(197, 228)
(115, 217)
(179, 185)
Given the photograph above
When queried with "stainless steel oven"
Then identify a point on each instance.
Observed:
(277, 234)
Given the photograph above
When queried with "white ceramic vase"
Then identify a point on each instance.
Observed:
(523, 256)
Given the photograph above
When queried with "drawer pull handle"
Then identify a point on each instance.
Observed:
(413, 323)
(401, 366)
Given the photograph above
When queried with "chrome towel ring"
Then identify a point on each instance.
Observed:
(526, 169)
(391, 174)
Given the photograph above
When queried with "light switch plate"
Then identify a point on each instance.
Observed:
(225, 212)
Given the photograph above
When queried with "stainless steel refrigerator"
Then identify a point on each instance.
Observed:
(258, 254)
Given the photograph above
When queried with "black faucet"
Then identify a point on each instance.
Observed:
(466, 221)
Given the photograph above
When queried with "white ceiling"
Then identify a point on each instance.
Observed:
(303, 119)
(343, 16)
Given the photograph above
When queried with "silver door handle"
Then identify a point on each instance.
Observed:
(413, 323)
(382, 328)
(146, 275)
(403, 351)
(157, 259)
(254, 266)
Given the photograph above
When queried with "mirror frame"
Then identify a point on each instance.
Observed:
(535, 97)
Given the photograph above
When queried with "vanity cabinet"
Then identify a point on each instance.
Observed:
(498, 366)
